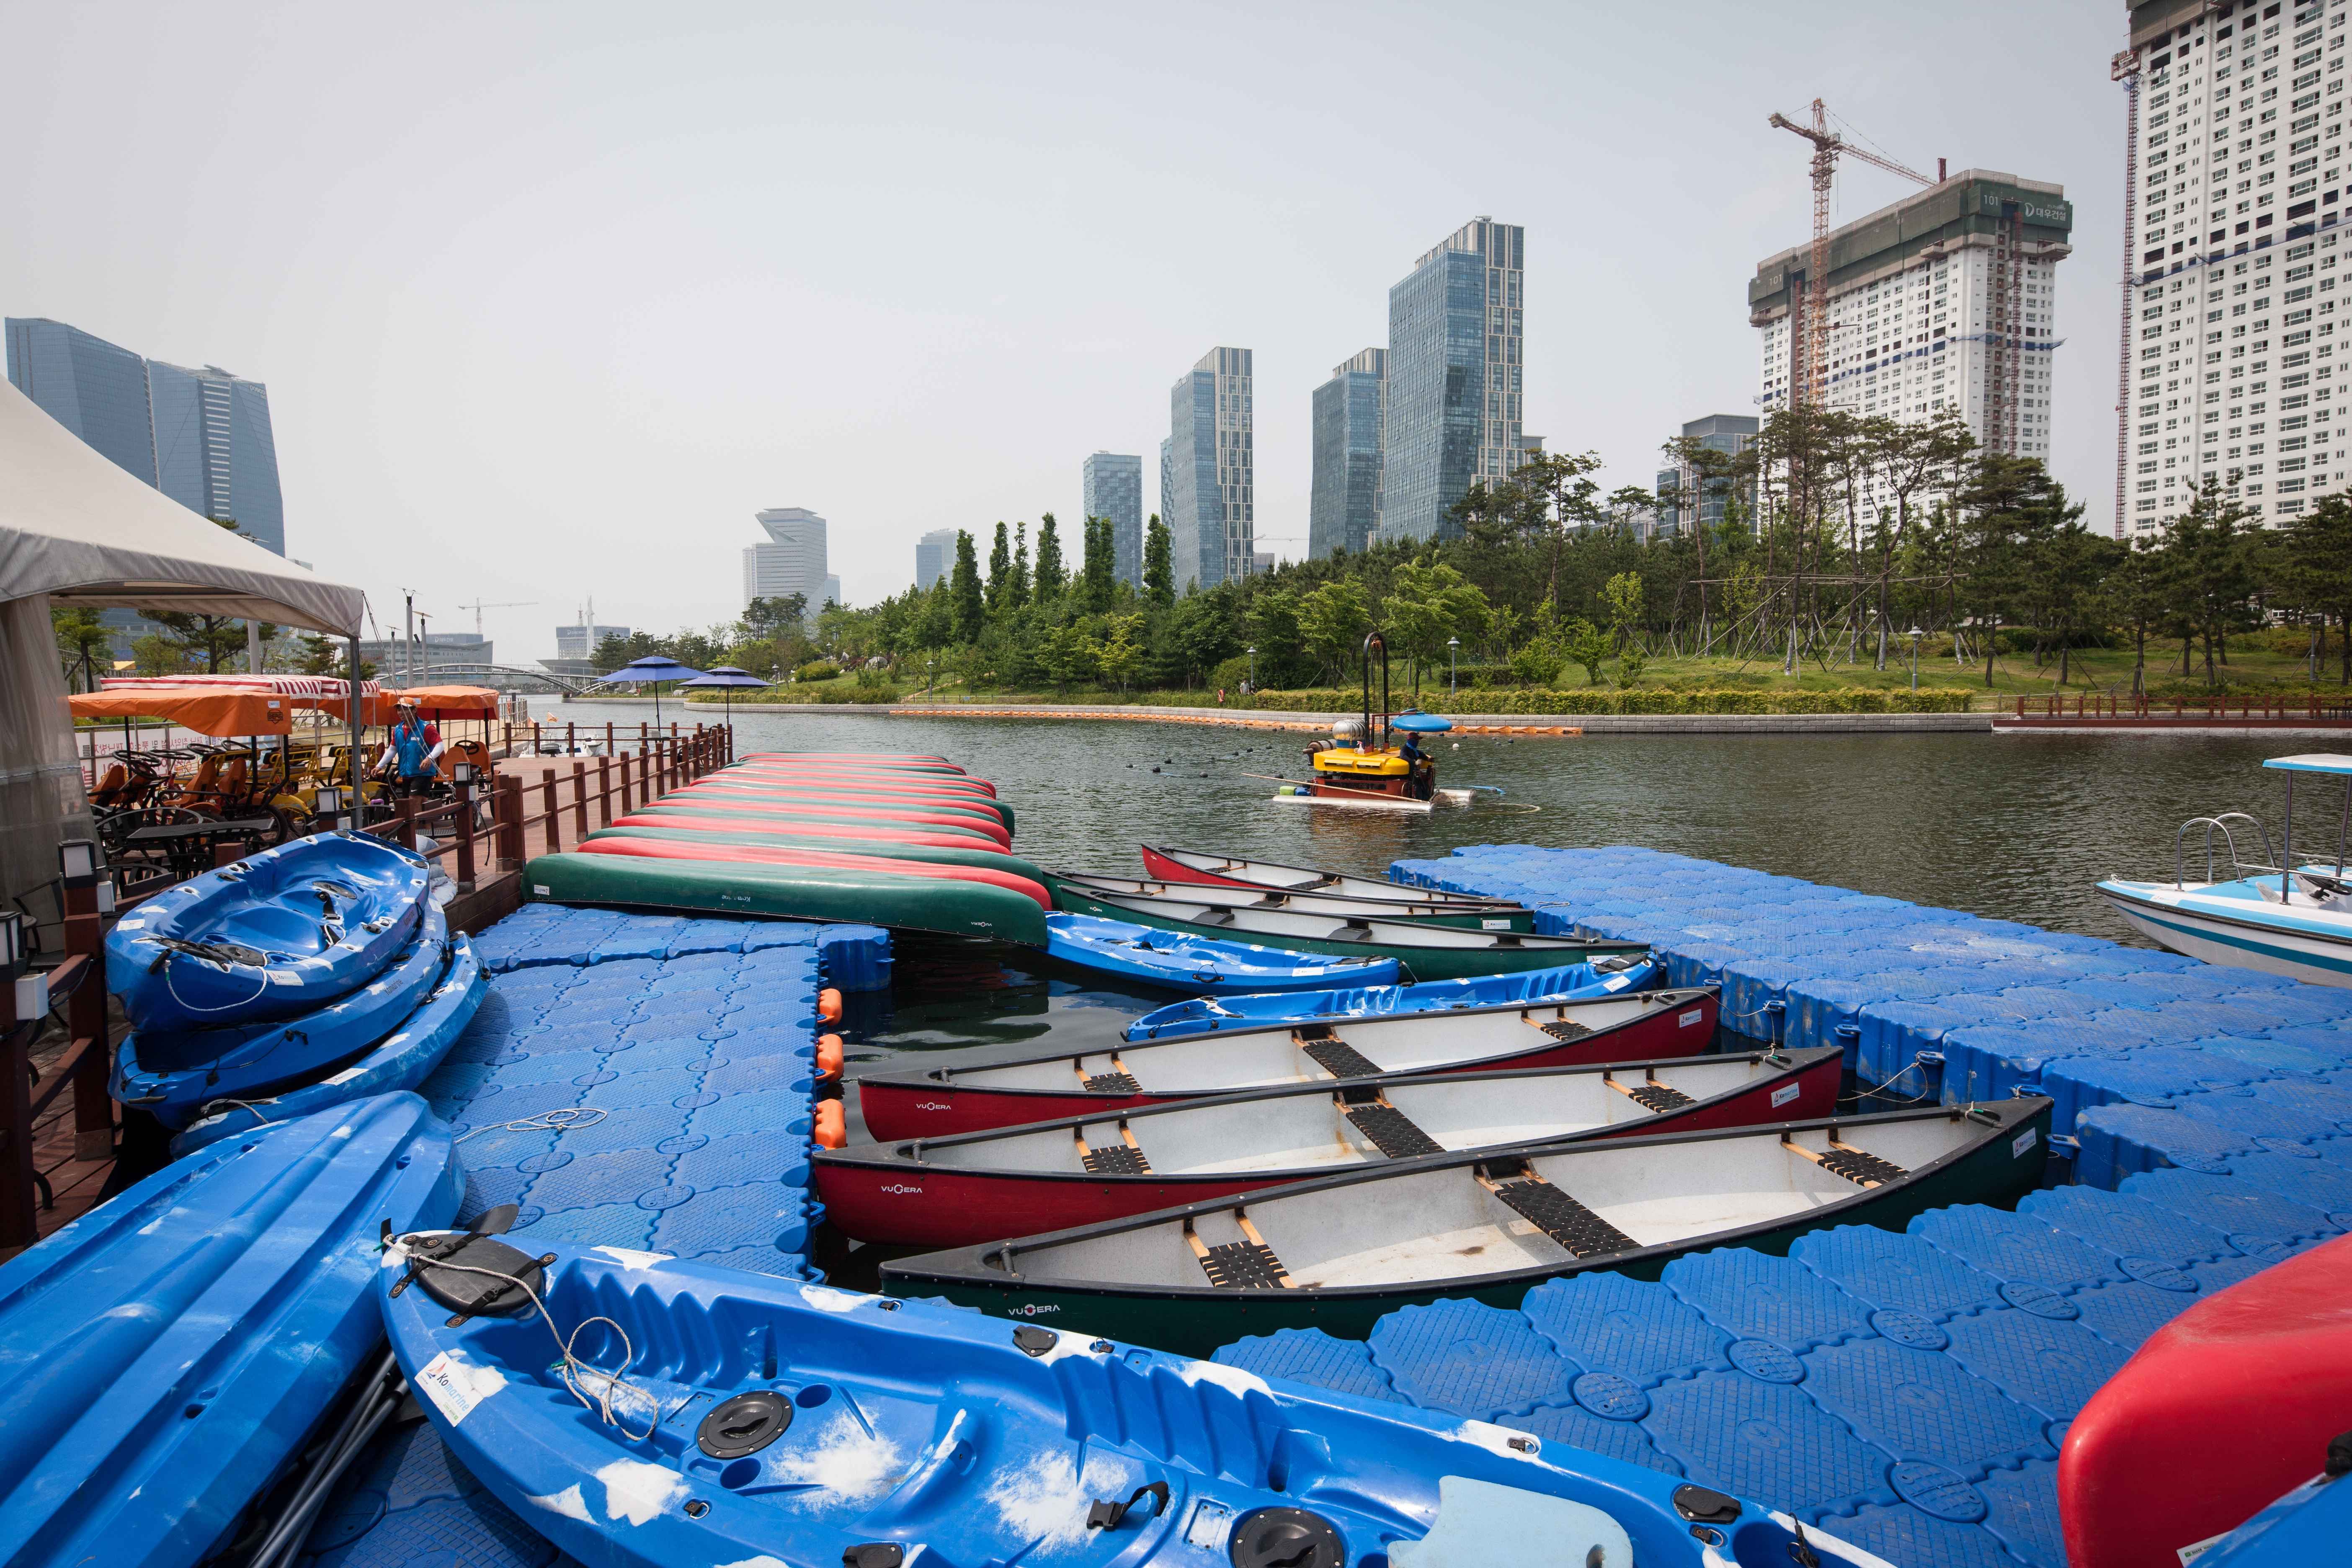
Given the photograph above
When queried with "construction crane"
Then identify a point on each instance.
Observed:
(478, 607)
(1811, 384)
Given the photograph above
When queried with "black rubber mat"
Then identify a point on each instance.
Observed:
(1392, 1131)
(1856, 1166)
(1563, 1218)
(1112, 1083)
(1566, 1029)
(1244, 1266)
(1117, 1159)
(1658, 1097)
(1339, 1059)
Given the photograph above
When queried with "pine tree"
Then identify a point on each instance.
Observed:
(1051, 577)
(1000, 571)
(965, 602)
(1020, 594)
(1158, 574)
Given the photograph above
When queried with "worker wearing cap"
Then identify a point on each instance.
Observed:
(412, 753)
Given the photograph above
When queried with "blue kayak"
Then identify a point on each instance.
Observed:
(2308, 1525)
(402, 1060)
(176, 1076)
(277, 933)
(749, 1420)
(1571, 982)
(167, 1356)
(1177, 962)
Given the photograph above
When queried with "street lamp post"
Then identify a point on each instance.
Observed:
(1914, 634)
(1252, 658)
(930, 659)
(1453, 671)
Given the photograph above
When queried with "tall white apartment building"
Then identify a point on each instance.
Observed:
(790, 561)
(1947, 298)
(2234, 192)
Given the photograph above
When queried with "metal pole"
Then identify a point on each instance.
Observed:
(2343, 829)
(2286, 847)
(358, 729)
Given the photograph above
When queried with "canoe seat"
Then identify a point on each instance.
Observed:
(1856, 1165)
(1246, 1265)
(1113, 1083)
(1560, 1217)
(1392, 1132)
(1653, 1096)
(1124, 1158)
(1335, 1055)
(1566, 1029)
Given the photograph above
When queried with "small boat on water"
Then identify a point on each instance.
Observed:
(2272, 915)
(168, 1356)
(2244, 1390)
(661, 1414)
(981, 1186)
(1426, 951)
(1354, 769)
(1002, 1091)
(1082, 892)
(277, 933)
(402, 1060)
(1570, 982)
(1181, 963)
(175, 1076)
(1224, 871)
(1339, 1252)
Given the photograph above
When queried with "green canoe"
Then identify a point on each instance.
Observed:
(1427, 952)
(1341, 1252)
(793, 892)
(1086, 892)
(718, 786)
(882, 848)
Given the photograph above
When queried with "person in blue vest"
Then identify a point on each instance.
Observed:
(412, 752)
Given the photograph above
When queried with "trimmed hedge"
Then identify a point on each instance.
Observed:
(1609, 700)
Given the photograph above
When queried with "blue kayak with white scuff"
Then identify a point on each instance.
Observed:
(177, 1077)
(1202, 966)
(1570, 982)
(166, 1358)
(402, 1060)
(663, 1414)
(278, 934)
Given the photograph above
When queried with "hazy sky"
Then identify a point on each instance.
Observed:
(551, 298)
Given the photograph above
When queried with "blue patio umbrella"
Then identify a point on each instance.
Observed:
(724, 678)
(653, 669)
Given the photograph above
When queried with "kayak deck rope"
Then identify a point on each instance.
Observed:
(563, 1118)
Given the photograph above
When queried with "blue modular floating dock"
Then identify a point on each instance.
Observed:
(696, 1039)
(1907, 1392)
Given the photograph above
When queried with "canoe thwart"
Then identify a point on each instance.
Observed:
(1652, 1095)
(1560, 1217)
(1246, 1265)
(1124, 1158)
(1566, 1029)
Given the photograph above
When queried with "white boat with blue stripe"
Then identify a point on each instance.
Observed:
(2275, 915)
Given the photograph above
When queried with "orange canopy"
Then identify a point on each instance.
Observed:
(207, 709)
(444, 701)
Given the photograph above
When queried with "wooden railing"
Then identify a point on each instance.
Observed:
(2216, 708)
(521, 812)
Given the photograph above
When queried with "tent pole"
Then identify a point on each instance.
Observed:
(352, 709)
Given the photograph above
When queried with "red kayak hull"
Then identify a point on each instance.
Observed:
(2224, 1409)
(817, 821)
(1162, 868)
(914, 836)
(760, 855)
(845, 793)
(942, 782)
(893, 1201)
(982, 822)
(914, 1106)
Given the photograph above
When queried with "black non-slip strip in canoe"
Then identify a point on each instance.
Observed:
(1117, 1159)
(1856, 1166)
(1392, 1131)
(1563, 1218)
(1658, 1097)
(1339, 1059)
(1112, 1083)
(1244, 1266)
(1566, 1029)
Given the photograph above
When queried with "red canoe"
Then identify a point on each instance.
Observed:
(1048, 1085)
(848, 790)
(921, 760)
(981, 822)
(757, 855)
(819, 822)
(945, 781)
(921, 838)
(984, 1186)
(2224, 1409)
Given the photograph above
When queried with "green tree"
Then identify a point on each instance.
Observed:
(1332, 621)
(1158, 574)
(2135, 593)
(83, 642)
(1118, 655)
(1068, 655)
(1097, 570)
(966, 605)
(1000, 571)
(2315, 571)
(2009, 507)
(1051, 575)
(1200, 634)
(766, 618)
(1019, 596)
(1586, 645)
(1272, 621)
(1427, 604)
(2210, 556)
(1623, 597)
(209, 641)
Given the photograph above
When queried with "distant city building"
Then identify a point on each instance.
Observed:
(1111, 485)
(1451, 417)
(832, 591)
(1730, 433)
(582, 641)
(790, 561)
(396, 661)
(1212, 517)
(1167, 487)
(1343, 508)
(1262, 562)
(2205, 240)
(934, 557)
(200, 437)
(1944, 299)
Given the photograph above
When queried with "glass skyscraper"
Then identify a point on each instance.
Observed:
(200, 437)
(1111, 485)
(1454, 362)
(1343, 508)
(1730, 433)
(1211, 516)
(791, 562)
(934, 557)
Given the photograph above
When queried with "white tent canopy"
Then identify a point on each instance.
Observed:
(75, 527)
